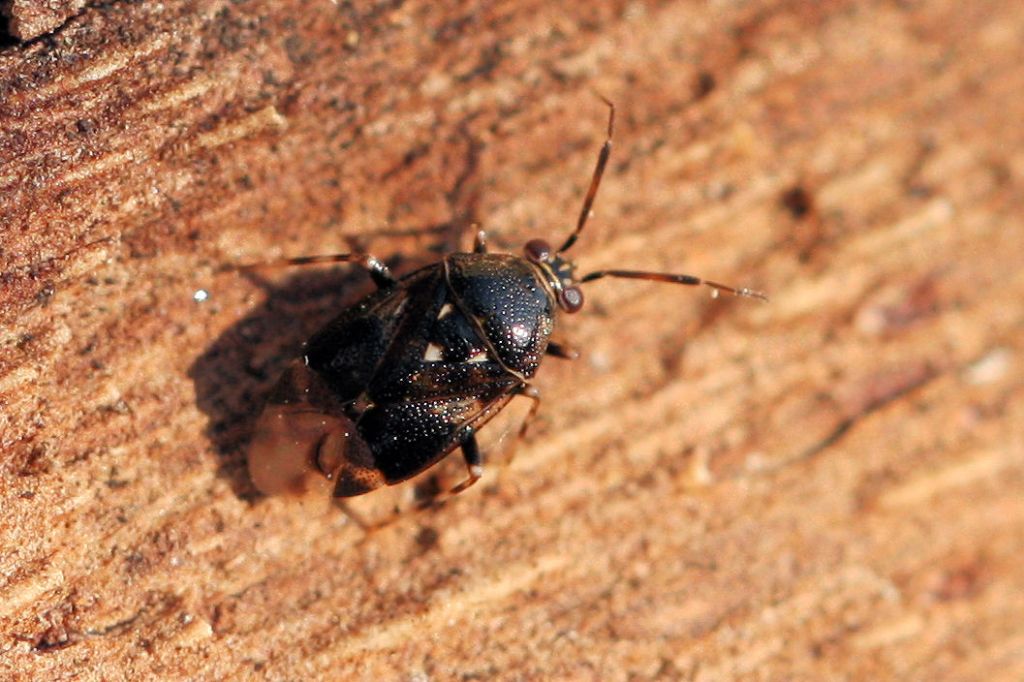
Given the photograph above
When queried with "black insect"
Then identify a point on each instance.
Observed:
(411, 372)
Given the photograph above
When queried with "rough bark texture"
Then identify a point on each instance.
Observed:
(827, 486)
(27, 19)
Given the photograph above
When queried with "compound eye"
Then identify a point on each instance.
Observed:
(571, 299)
(538, 250)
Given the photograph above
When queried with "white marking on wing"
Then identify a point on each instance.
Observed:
(434, 353)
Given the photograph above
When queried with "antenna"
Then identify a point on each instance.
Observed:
(595, 182)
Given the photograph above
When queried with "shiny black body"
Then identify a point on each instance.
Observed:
(403, 377)
(421, 364)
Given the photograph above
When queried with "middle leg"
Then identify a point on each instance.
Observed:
(474, 466)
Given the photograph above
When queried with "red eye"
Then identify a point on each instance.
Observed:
(571, 299)
(538, 250)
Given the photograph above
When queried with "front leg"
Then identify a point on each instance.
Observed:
(562, 350)
(480, 242)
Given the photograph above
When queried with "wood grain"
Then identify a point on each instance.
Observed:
(828, 486)
(28, 19)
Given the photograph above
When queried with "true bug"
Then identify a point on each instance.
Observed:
(412, 371)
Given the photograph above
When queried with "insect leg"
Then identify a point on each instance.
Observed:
(531, 392)
(365, 525)
(379, 272)
(474, 463)
(480, 242)
(562, 350)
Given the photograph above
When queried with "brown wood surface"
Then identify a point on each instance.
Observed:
(828, 486)
(28, 19)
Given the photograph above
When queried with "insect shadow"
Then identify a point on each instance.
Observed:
(398, 395)
(236, 373)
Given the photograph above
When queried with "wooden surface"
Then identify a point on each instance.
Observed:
(28, 19)
(829, 486)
